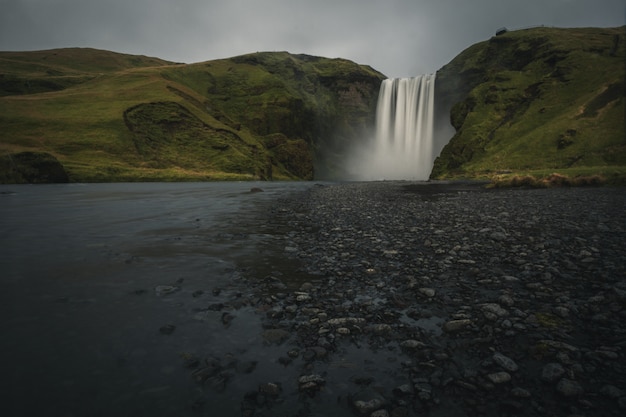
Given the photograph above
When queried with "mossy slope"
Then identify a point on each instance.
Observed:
(114, 117)
(539, 100)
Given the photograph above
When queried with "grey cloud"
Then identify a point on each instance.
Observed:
(396, 37)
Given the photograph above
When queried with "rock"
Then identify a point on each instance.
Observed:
(275, 336)
(380, 328)
(270, 388)
(380, 413)
(256, 190)
(493, 311)
(403, 390)
(507, 300)
(366, 401)
(569, 388)
(558, 345)
(311, 383)
(518, 392)
(552, 372)
(427, 292)
(167, 329)
(412, 344)
(499, 377)
(162, 290)
(505, 362)
(498, 236)
(612, 391)
(454, 326)
(301, 297)
(343, 321)
(227, 318)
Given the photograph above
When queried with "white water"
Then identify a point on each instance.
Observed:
(403, 147)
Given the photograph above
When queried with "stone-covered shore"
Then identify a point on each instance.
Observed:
(470, 302)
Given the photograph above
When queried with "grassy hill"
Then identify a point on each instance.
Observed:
(529, 102)
(535, 102)
(104, 116)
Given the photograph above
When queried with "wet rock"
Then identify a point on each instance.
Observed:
(167, 329)
(493, 311)
(499, 377)
(454, 326)
(344, 321)
(163, 290)
(275, 336)
(227, 318)
(518, 392)
(380, 328)
(311, 383)
(569, 388)
(344, 331)
(403, 390)
(505, 362)
(209, 370)
(412, 344)
(190, 360)
(366, 401)
(552, 372)
(612, 391)
(270, 388)
(427, 292)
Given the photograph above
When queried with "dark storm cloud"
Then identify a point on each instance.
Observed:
(397, 37)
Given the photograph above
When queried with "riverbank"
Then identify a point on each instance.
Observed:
(444, 300)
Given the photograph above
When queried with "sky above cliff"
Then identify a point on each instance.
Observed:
(396, 37)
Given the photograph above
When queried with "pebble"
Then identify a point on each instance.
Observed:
(551, 372)
(453, 326)
(569, 388)
(499, 377)
(505, 362)
(430, 295)
(163, 290)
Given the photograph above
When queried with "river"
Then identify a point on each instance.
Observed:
(85, 327)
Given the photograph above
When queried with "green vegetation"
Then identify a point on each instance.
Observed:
(536, 102)
(535, 107)
(112, 117)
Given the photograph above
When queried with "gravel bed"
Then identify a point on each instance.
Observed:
(447, 299)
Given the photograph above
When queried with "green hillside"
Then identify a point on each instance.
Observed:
(528, 102)
(536, 101)
(105, 116)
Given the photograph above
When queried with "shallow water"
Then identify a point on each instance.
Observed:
(80, 316)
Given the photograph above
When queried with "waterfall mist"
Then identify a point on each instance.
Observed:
(404, 145)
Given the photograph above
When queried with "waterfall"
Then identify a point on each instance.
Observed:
(403, 147)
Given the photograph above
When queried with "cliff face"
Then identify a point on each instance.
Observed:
(113, 117)
(535, 99)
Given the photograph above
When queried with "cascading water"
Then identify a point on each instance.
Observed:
(403, 148)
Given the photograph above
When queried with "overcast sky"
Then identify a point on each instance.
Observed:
(397, 37)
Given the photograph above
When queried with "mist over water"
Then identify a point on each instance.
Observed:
(406, 141)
